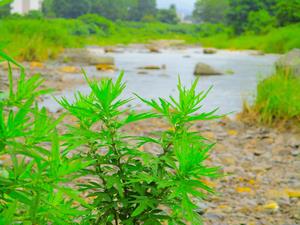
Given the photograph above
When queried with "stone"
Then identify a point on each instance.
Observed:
(109, 50)
(38, 65)
(69, 69)
(271, 206)
(209, 51)
(243, 190)
(293, 193)
(205, 69)
(290, 62)
(105, 67)
(84, 56)
(150, 67)
(98, 60)
(153, 49)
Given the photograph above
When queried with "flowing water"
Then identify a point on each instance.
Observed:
(229, 90)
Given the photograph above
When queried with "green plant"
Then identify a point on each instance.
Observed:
(35, 174)
(130, 186)
(122, 183)
(278, 98)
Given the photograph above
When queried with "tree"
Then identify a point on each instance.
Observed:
(287, 11)
(260, 22)
(168, 15)
(70, 8)
(47, 8)
(239, 11)
(114, 10)
(143, 9)
(5, 8)
(211, 11)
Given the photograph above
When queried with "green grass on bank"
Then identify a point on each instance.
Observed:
(278, 40)
(277, 100)
(41, 39)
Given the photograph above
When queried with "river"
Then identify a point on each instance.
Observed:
(229, 90)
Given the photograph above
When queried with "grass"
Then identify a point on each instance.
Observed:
(279, 40)
(277, 100)
(42, 39)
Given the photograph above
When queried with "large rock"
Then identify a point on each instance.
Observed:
(209, 51)
(290, 62)
(85, 57)
(204, 69)
(101, 60)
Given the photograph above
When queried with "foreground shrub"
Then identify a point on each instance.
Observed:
(35, 176)
(122, 183)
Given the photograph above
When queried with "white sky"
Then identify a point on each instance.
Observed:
(185, 6)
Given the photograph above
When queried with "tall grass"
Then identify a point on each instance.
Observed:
(277, 100)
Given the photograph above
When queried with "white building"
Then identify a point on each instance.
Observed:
(24, 6)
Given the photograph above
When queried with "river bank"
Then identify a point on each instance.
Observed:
(262, 165)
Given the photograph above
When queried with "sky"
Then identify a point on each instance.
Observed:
(183, 6)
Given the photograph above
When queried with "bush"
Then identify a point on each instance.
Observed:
(260, 22)
(120, 181)
(278, 98)
(97, 23)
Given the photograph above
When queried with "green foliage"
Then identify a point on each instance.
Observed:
(131, 186)
(239, 11)
(260, 22)
(123, 183)
(35, 176)
(40, 39)
(113, 10)
(210, 11)
(279, 40)
(278, 98)
(5, 8)
(97, 23)
(288, 11)
(34, 14)
(70, 8)
(168, 15)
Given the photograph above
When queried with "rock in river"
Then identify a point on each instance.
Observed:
(290, 62)
(209, 51)
(85, 57)
(204, 69)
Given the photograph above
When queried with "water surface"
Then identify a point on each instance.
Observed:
(229, 90)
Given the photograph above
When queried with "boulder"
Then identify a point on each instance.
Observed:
(209, 51)
(105, 67)
(290, 62)
(204, 69)
(75, 56)
(153, 49)
(101, 60)
(69, 69)
(84, 56)
(109, 50)
(36, 65)
(150, 67)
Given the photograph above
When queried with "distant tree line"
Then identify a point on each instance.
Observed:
(256, 16)
(132, 10)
